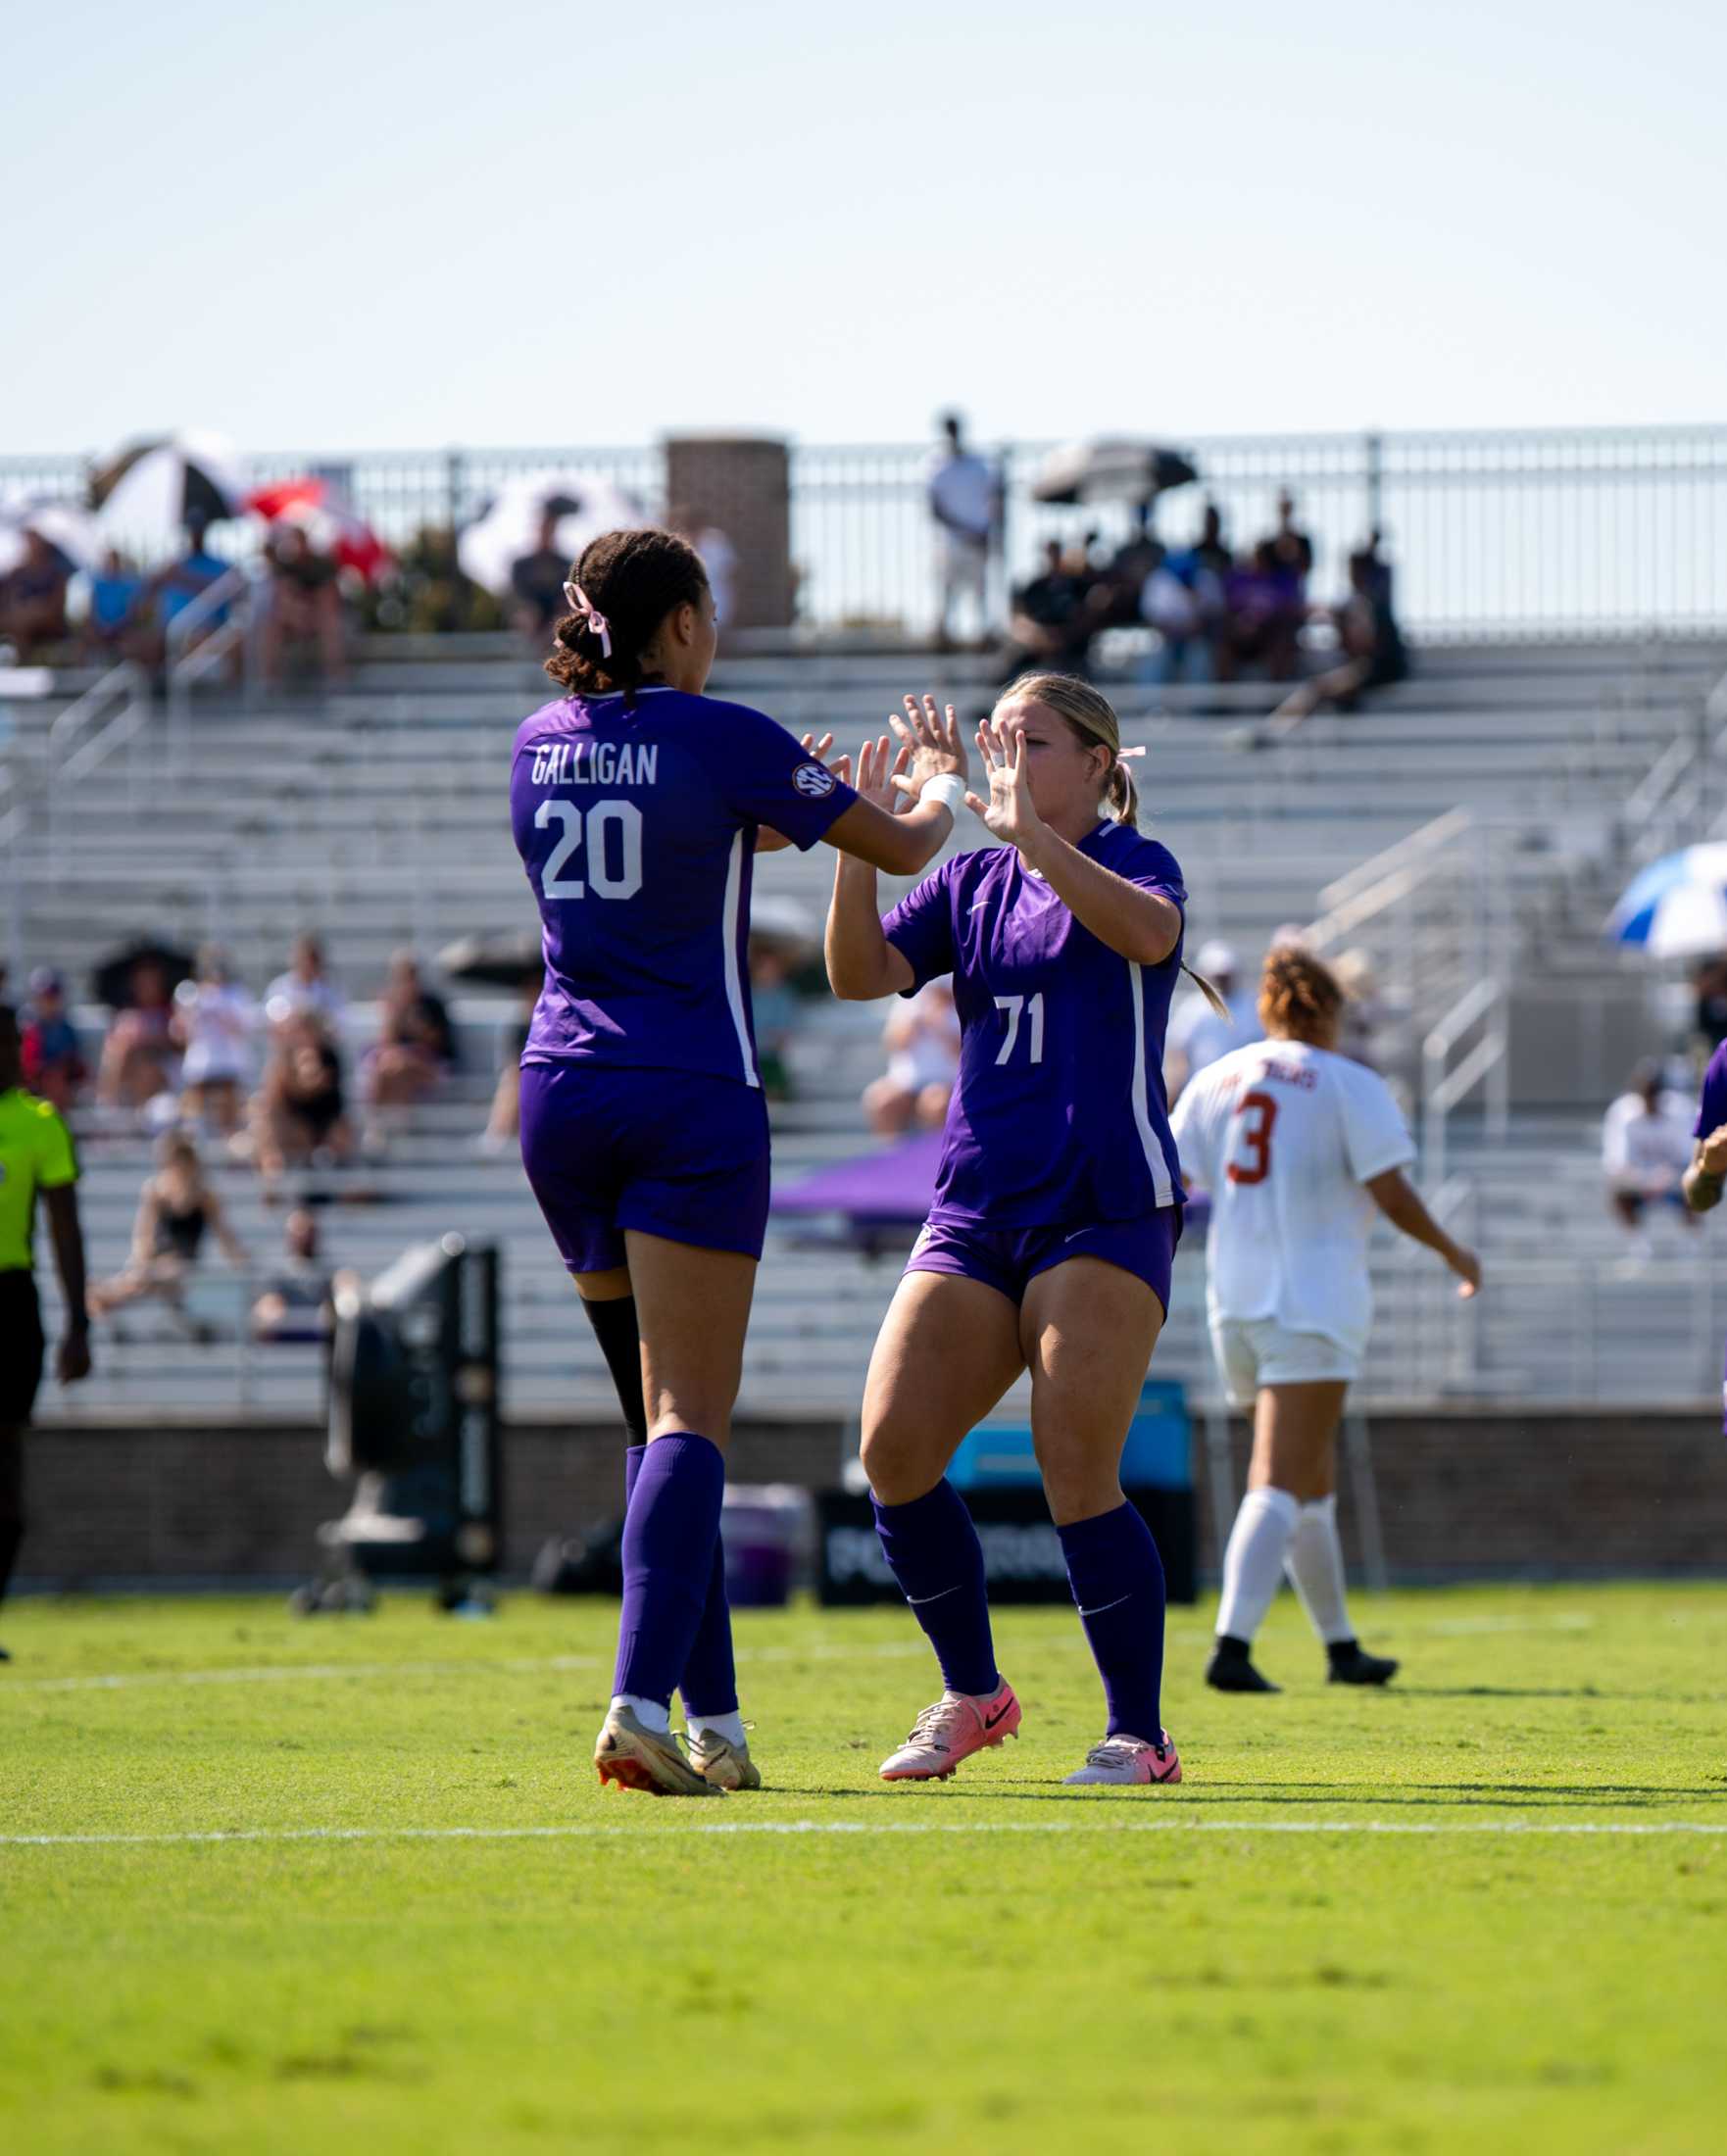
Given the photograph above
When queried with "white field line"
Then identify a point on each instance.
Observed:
(572, 1833)
(282, 1673)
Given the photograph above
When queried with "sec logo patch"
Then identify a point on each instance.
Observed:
(814, 781)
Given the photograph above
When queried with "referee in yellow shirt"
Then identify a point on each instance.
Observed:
(35, 1154)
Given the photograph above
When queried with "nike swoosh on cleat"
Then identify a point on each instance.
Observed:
(990, 1720)
(1101, 1606)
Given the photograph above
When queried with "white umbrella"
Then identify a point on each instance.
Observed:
(63, 525)
(584, 503)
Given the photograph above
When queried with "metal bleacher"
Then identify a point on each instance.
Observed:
(376, 816)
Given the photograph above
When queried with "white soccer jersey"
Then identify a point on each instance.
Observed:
(1283, 1135)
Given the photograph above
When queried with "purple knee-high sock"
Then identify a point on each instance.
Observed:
(933, 1551)
(710, 1681)
(1117, 1581)
(670, 1533)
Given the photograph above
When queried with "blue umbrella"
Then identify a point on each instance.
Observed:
(1677, 908)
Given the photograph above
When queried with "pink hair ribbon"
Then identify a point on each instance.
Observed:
(598, 625)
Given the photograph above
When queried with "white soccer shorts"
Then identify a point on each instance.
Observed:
(1258, 1350)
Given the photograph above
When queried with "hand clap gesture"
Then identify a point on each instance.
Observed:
(1008, 812)
(930, 742)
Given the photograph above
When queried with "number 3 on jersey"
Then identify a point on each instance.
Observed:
(1257, 1114)
(605, 817)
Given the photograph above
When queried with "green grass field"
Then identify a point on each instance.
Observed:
(269, 1886)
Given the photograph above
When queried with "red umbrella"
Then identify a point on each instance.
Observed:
(331, 522)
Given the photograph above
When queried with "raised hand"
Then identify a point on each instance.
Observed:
(1712, 1154)
(1008, 812)
(932, 744)
(879, 766)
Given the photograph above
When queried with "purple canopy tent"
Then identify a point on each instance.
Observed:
(878, 1193)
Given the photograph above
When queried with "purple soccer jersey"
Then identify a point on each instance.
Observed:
(1059, 1113)
(637, 824)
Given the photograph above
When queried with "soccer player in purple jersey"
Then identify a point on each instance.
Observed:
(638, 804)
(1708, 1172)
(1056, 1213)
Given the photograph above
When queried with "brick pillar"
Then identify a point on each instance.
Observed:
(742, 486)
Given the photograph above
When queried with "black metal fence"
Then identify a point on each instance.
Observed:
(1590, 532)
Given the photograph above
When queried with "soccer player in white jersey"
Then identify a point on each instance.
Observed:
(1300, 1149)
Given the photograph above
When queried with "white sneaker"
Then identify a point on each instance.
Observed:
(1125, 1761)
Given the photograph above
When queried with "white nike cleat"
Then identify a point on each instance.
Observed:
(721, 1763)
(950, 1730)
(1125, 1761)
(637, 1757)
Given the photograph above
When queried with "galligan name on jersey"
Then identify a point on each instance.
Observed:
(587, 762)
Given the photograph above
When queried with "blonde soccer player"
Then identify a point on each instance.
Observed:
(1058, 1208)
(1302, 1151)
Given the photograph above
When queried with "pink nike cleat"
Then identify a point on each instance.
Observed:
(952, 1729)
(1125, 1760)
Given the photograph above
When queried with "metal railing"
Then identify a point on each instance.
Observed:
(1479, 1011)
(113, 713)
(215, 629)
(1591, 532)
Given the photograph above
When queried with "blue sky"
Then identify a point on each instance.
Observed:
(356, 227)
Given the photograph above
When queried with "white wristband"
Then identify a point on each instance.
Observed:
(949, 789)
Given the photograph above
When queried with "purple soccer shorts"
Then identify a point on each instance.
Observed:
(669, 1153)
(1008, 1260)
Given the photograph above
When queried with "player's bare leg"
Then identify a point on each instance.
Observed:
(947, 1351)
(1088, 1329)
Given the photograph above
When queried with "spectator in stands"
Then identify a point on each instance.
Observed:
(306, 986)
(1264, 608)
(54, 1068)
(176, 1207)
(1363, 1012)
(32, 598)
(1646, 1149)
(1183, 600)
(304, 604)
(117, 590)
(504, 1123)
(923, 1040)
(1292, 550)
(1196, 1036)
(215, 1022)
(964, 498)
(297, 1301)
(416, 1046)
(299, 1113)
(536, 583)
(1052, 621)
(139, 1059)
(719, 558)
(1371, 644)
(172, 590)
(1708, 982)
(777, 1008)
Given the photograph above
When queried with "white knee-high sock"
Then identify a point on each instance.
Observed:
(1253, 1564)
(1313, 1562)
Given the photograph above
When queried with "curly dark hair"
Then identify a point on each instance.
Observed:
(1298, 994)
(635, 578)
